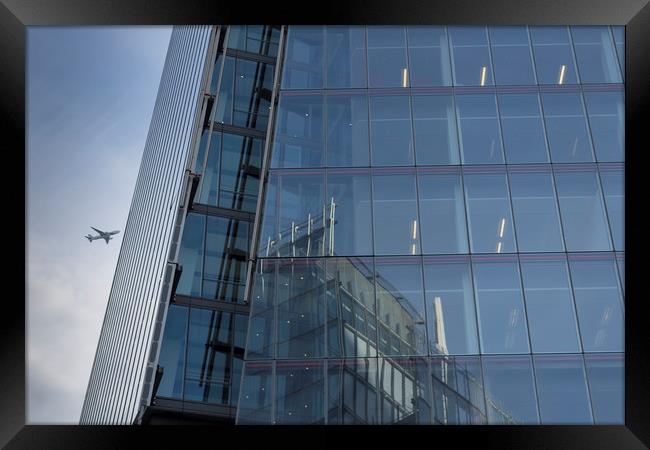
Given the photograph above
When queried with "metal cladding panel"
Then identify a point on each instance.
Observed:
(118, 370)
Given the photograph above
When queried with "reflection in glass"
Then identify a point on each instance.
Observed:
(478, 124)
(489, 217)
(405, 392)
(304, 58)
(260, 39)
(595, 55)
(241, 161)
(613, 189)
(523, 129)
(434, 128)
(535, 209)
(395, 213)
(428, 56)
(510, 390)
(255, 399)
(190, 255)
(605, 373)
(442, 212)
(352, 391)
(347, 130)
(500, 305)
(222, 112)
(458, 394)
(261, 333)
(470, 56)
(562, 389)
(553, 55)
(172, 353)
(387, 61)
(598, 301)
(620, 262)
(619, 41)
(346, 57)
(566, 127)
(549, 304)
(299, 392)
(252, 99)
(511, 56)
(390, 130)
(606, 112)
(210, 179)
(450, 306)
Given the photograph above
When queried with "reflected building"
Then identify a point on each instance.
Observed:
(384, 225)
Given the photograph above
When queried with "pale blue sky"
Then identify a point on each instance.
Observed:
(90, 95)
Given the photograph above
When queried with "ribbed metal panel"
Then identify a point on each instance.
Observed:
(117, 376)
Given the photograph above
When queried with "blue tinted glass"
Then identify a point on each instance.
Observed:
(500, 306)
(480, 137)
(172, 353)
(352, 391)
(404, 387)
(614, 190)
(395, 214)
(619, 41)
(203, 145)
(261, 334)
(606, 386)
(351, 316)
(562, 390)
(459, 395)
(606, 111)
(300, 302)
(346, 57)
(566, 127)
(210, 179)
(553, 55)
(537, 220)
(598, 301)
(595, 54)
(549, 304)
(299, 134)
(347, 130)
(511, 55)
(216, 72)
(304, 61)
(350, 213)
(400, 306)
(510, 390)
(434, 127)
(387, 66)
(620, 262)
(450, 306)
(222, 112)
(470, 56)
(255, 399)
(391, 139)
(442, 212)
(583, 212)
(428, 56)
(300, 393)
(241, 162)
(253, 84)
(523, 129)
(190, 255)
(489, 216)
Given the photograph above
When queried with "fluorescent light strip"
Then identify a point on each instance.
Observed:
(405, 72)
(560, 79)
(499, 247)
(415, 228)
(413, 249)
(502, 228)
(483, 75)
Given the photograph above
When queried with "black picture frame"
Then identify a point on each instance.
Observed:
(16, 15)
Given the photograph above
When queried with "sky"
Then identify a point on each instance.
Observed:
(90, 96)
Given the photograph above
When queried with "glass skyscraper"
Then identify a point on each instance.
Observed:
(387, 225)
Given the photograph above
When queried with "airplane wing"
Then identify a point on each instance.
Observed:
(106, 238)
(99, 231)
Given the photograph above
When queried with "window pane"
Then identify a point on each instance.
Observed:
(301, 308)
(351, 316)
(510, 390)
(442, 212)
(549, 304)
(395, 213)
(210, 178)
(470, 56)
(300, 392)
(352, 391)
(190, 256)
(400, 306)
(613, 188)
(404, 388)
(304, 60)
(346, 57)
(619, 41)
(595, 55)
(607, 119)
(253, 85)
(450, 306)
(490, 219)
(480, 137)
(390, 130)
(222, 112)
(535, 208)
(347, 130)
(562, 390)
(620, 262)
(240, 169)
(511, 56)
(500, 306)
(434, 127)
(523, 130)
(261, 336)
(566, 127)
(255, 399)
(553, 55)
(172, 353)
(428, 56)
(583, 214)
(607, 387)
(598, 303)
(387, 65)
(299, 132)
(350, 212)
